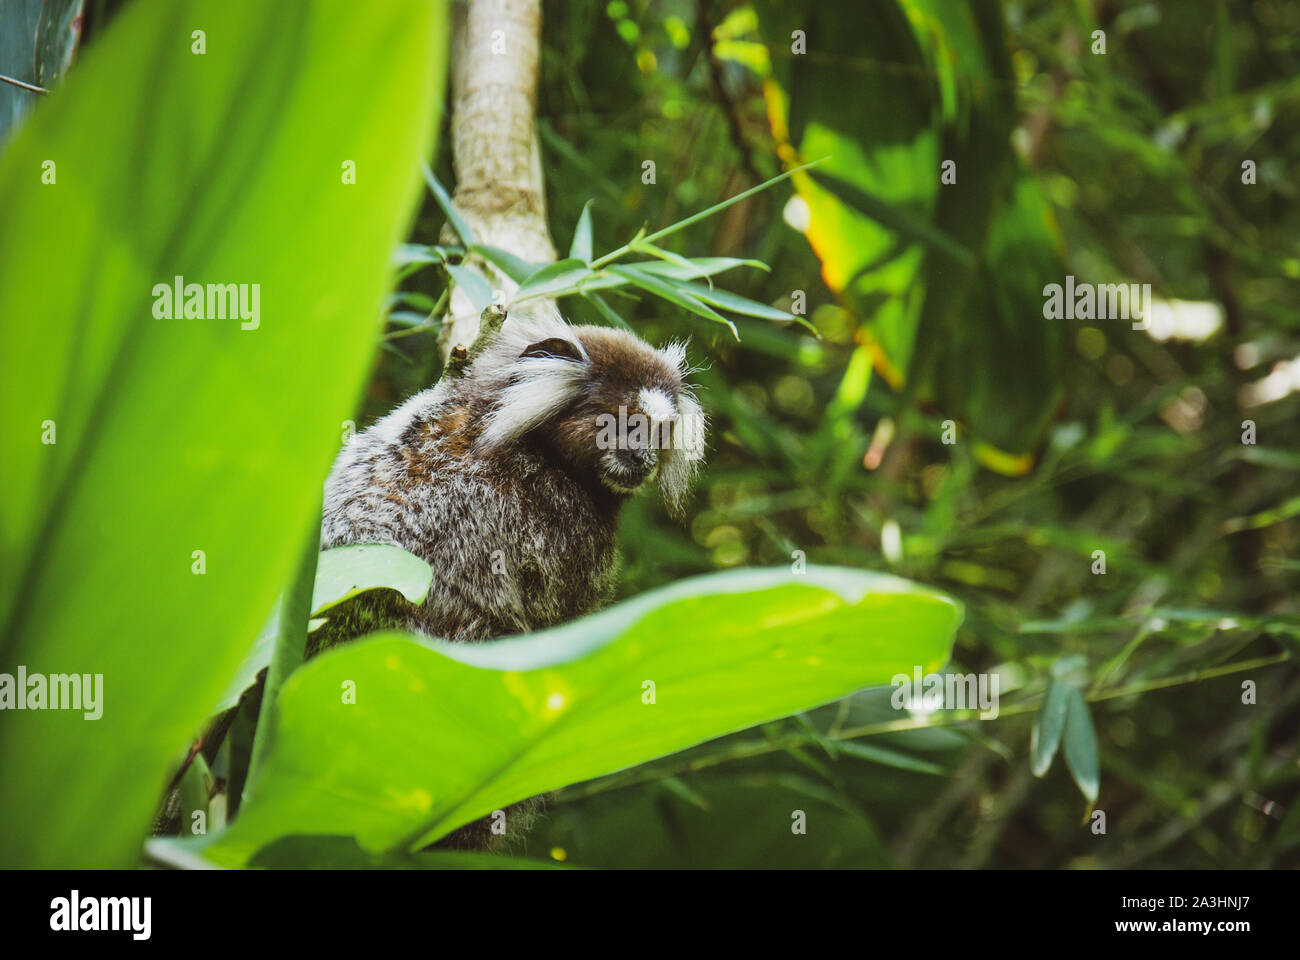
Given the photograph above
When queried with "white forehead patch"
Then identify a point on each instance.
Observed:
(657, 405)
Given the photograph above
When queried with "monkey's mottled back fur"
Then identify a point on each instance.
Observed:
(496, 479)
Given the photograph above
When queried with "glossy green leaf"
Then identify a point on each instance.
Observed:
(340, 574)
(699, 267)
(441, 734)
(674, 291)
(725, 300)
(343, 572)
(189, 453)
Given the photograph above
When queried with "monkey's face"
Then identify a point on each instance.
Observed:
(631, 419)
(606, 403)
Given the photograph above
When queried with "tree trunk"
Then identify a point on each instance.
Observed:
(499, 190)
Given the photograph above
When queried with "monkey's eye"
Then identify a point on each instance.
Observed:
(555, 347)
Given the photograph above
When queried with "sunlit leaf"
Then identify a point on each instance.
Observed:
(580, 249)
(442, 734)
(190, 452)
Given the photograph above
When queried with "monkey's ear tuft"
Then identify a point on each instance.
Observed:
(556, 347)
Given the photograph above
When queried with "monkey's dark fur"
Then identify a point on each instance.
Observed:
(496, 478)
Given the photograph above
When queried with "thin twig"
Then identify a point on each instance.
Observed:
(490, 321)
(23, 83)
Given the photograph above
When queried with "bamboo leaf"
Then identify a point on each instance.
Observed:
(475, 287)
(580, 249)
(1081, 746)
(607, 311)
(671, 290)
(1046, 736)
(458, 223)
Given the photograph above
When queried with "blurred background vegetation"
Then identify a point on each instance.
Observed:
(1073, 436)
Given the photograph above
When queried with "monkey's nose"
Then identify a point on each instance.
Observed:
(643, 458)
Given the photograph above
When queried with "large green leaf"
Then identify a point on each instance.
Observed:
(886, 151)
(440, 734)
(183, 435)
(946, 276)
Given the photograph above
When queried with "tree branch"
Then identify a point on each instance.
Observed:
(500, 190)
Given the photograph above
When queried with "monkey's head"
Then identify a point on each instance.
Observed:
(611, 406)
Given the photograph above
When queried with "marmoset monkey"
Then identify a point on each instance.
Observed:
(508, 480)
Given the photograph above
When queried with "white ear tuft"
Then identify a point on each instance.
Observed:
(682, 459)
(528, 389)
(675, 353)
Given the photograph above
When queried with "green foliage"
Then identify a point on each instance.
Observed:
(184, 435)
(1166, 683)
(1081, 745)
(344, 572)
(397, 743)
(580, 274)
(1122, 167)
(1046, 738)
